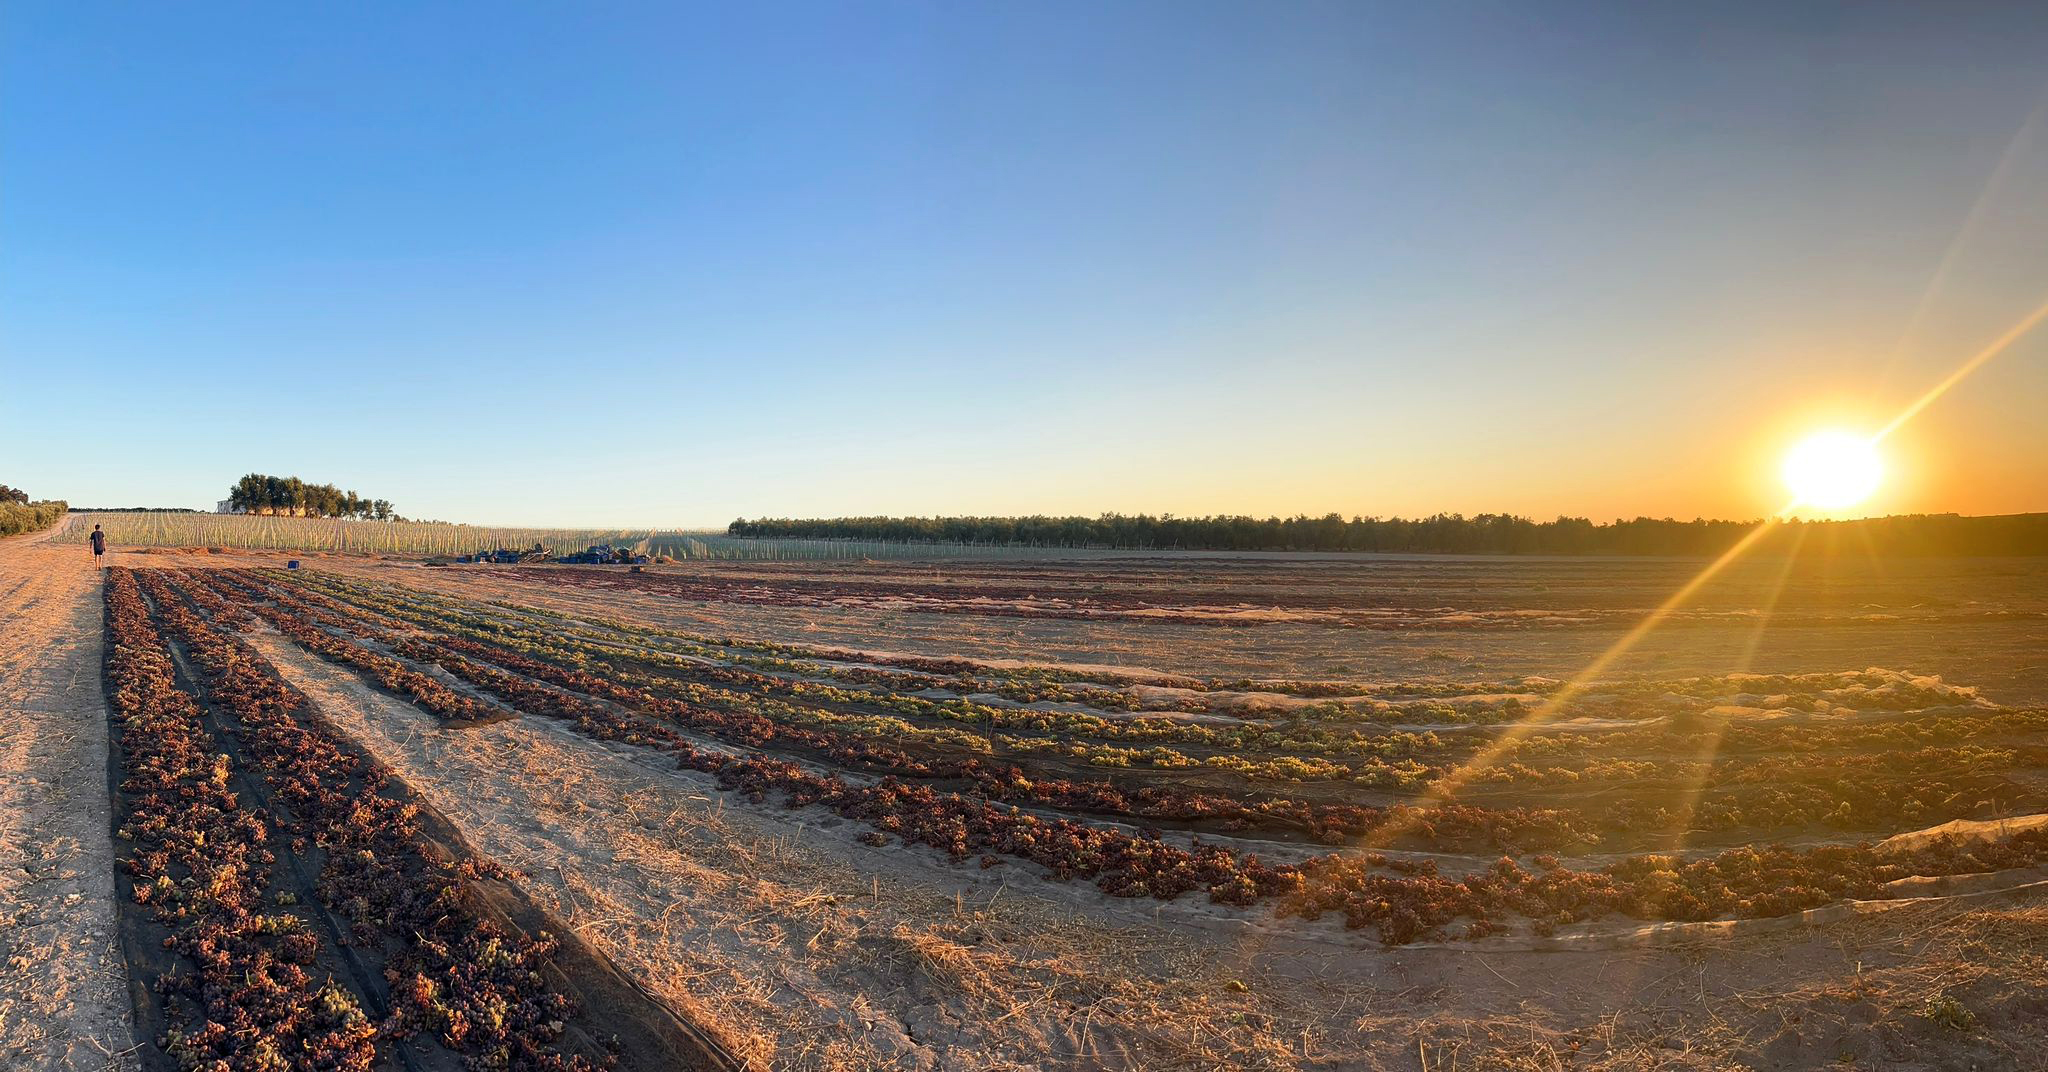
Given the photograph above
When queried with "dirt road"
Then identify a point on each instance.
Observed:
(63, 1003)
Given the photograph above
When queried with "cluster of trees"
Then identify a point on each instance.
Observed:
(19, 515)
(2012, 534)
(258, 493)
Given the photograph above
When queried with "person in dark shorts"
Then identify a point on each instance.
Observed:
(99, 543)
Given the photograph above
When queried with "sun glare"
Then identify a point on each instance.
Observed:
(1832, 470)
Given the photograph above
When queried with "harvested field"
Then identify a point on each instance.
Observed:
(794, 847)
(1376, 618)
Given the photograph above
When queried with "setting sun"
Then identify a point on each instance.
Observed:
(1832, 470)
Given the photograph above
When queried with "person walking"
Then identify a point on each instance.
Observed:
(99, 544)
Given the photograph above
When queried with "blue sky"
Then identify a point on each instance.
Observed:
(671, 264)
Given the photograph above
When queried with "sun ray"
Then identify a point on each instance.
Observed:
(1747, 661)
(1710, 744)
(1962, 372)
(1972, 223)
(1444, 789)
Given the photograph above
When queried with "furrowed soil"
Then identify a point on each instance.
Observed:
(1981, 622)
(806, 950)
(798, 947)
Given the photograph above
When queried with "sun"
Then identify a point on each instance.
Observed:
(1832, 470)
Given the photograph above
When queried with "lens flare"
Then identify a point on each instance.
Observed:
(1832, 470)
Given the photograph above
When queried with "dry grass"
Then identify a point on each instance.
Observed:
(1914, 989)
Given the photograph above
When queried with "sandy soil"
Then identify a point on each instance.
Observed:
(63, 996)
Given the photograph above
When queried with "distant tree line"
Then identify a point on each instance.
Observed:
(19, 515)
(258, 493)
(1504, 534)
(137, 510)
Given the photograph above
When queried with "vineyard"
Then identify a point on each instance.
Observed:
(425, 538)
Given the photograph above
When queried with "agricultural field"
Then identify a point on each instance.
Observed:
(1160, 537)
(429, 538)
(1080, 811)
